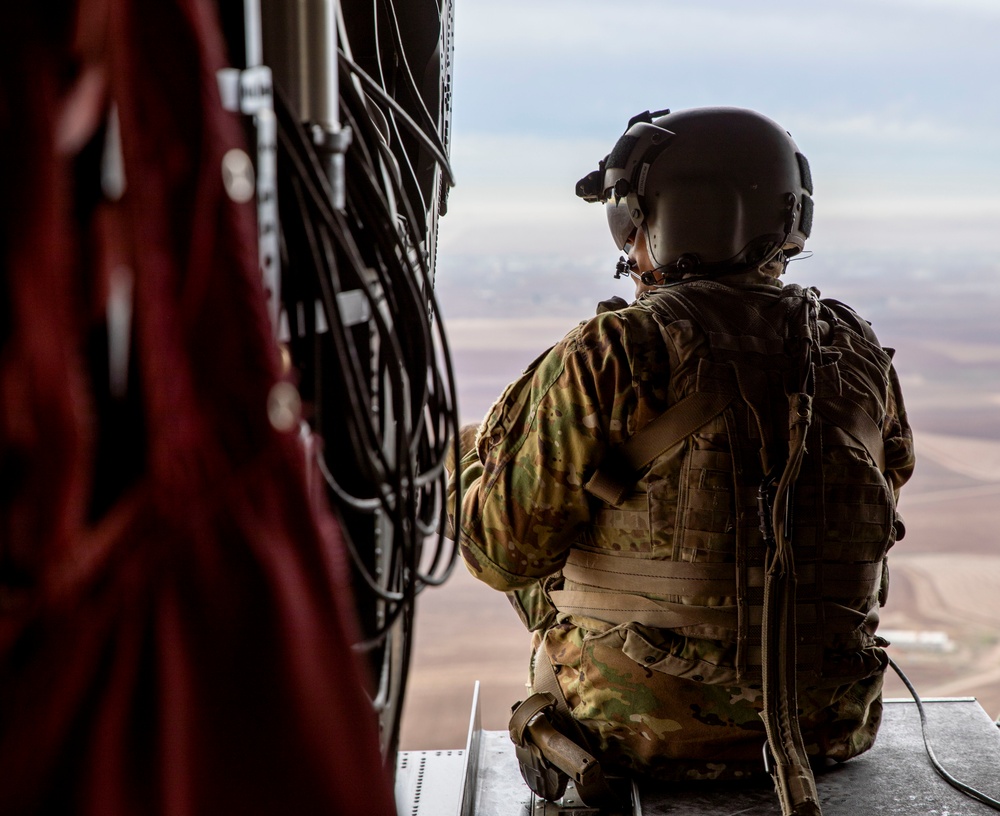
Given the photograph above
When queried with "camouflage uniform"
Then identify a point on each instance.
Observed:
(525, 510)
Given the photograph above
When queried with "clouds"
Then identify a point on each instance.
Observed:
(982, 9)
(548, 66)
(887, 127)
(892, 100)
(734, 30)
(587, 56)
(527, 159)
(722, 29)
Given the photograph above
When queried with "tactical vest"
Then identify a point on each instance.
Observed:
(700, 473)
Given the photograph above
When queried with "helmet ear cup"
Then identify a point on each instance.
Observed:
(688, 217)
(805, 173)
(806, 217)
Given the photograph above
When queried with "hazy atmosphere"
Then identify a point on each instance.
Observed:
(895, 104)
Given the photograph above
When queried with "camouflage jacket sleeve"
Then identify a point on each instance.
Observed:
(524, 504)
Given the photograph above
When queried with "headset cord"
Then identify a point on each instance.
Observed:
(947, 777)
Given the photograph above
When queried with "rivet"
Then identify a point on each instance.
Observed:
(238, 176)
(284, 406)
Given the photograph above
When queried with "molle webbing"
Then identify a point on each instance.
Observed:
(847, 416)
(848, 425)
(618, 472)
(844, 422)
(694, 582)
(603, 587)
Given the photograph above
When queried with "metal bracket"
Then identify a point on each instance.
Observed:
(330, 140)
(251, 92)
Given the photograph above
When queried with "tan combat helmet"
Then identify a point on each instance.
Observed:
(716, 189)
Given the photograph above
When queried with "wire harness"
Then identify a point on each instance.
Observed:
(376, 380)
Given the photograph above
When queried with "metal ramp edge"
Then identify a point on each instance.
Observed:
(893, 779)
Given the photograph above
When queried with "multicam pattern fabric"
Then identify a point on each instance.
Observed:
(525, 509)
(672, 728)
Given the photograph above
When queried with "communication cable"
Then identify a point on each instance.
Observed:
(968, 790)
(379, 392)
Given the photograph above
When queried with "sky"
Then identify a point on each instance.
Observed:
(895, 103)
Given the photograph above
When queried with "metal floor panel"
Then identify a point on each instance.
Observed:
(429, 783)
(895, 778)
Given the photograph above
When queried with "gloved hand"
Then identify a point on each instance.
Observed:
(466, 442)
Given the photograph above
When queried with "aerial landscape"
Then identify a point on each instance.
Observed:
(943, 614)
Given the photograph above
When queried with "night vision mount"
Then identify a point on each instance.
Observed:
(591, 187)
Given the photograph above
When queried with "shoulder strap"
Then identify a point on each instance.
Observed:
(849, 417)
(791, 772)
(618, 472)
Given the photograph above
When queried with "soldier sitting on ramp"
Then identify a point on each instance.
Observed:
(689, 499)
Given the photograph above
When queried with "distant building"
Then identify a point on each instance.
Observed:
(919, 640)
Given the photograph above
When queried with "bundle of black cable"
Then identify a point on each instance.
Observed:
(371, 356)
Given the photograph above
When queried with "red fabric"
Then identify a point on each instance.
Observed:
(188, 651)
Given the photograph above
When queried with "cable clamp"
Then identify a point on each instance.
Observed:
(331, 139)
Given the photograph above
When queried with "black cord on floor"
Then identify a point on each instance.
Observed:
(968, 790)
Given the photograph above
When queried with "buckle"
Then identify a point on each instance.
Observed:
(525, 712)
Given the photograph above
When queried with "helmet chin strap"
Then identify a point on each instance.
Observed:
(775, 265)
(687, 265)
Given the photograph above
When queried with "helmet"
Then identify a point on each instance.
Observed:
(714, 189)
